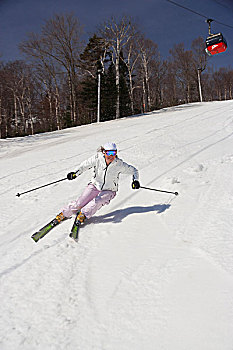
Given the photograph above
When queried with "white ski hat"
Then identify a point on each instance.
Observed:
(110, 146)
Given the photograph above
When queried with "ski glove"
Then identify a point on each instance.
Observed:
(135, 185)
(71, 176)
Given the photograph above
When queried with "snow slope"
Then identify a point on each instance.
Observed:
(151, 271)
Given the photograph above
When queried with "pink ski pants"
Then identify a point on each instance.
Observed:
(90, 201)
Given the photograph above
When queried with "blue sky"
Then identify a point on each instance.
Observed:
(160, 20)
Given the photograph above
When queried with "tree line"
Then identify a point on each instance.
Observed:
(63, 81)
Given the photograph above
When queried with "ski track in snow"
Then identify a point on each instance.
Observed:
(150, 271)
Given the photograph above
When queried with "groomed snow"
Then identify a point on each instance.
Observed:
(151, 271)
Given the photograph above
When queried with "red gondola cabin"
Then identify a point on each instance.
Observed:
(215, 43)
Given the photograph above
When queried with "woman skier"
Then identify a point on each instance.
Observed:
(103, 186)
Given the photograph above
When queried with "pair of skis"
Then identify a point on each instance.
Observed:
(47, 228)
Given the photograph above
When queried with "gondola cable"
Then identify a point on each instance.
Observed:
(197, 13)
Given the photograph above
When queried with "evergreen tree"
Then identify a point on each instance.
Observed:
(91, 63)
(108, 94)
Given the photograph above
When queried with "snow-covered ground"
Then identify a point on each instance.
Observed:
(151, 271)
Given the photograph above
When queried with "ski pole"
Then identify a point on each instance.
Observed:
(154, 189)
(37, 188)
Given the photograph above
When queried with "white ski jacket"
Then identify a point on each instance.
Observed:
(106, 177)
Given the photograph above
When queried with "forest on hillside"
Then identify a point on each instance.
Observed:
(64, 81)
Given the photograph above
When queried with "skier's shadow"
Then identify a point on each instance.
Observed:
(120, 214)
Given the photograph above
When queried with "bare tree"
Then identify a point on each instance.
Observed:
(222, 83)
(183, 64)
(16, 80)
(47, 70)
(59, 45)
(158, 81)
(117, 34)
(132, 55)
(2, 119)
(170, 88)
(148, 55)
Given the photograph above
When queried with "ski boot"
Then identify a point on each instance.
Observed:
(79, 219)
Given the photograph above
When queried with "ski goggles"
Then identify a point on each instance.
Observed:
(110, 153)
